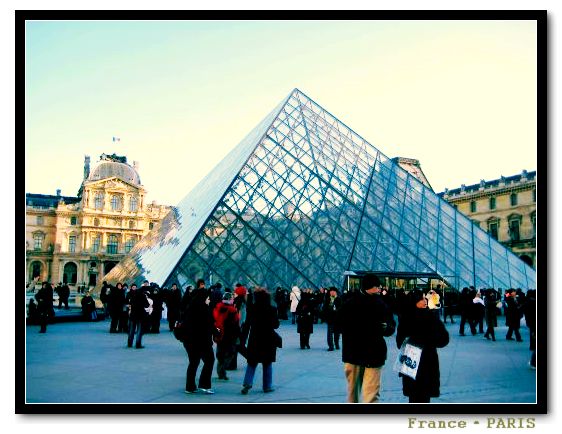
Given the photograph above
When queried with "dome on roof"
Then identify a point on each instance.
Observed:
(107, 169)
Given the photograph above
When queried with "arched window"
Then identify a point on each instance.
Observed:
(98, 201)
(133, 204)
(112, 243)
(70, 273)
(115, 203)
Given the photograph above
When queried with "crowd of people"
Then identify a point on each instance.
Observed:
(243, 321)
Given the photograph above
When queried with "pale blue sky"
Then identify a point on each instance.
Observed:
(460, 96)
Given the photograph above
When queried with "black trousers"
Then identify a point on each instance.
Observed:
(195, 355)
(304, 340)
(512, 330)
(333, 337)
(490, 332)
(470, 322)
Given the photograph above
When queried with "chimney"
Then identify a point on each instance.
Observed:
(58, 192)
(86, 166)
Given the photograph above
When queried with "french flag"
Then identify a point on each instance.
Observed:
(116, 139)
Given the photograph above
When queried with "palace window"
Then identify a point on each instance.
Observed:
(115, 203)
(112, 244)
(513, 199)
(98, 201)
(534, 222)
(40, 220)
(96, 242)
(534, 195)
(514, 229)
(493, 228)
(133, 204)
(38, 239)
(150, 225)
(131, 224)
(73, 220)
(72, 243)
(96, 221)
(129, 244)
(473, 206)
(492, 203)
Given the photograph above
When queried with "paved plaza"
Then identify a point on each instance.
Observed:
(80, 362)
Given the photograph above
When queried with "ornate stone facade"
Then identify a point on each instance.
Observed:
(505, 208)
(78, 240)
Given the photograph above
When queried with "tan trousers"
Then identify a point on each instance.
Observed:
(361, 379)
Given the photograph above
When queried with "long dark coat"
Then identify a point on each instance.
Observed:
(116, 301)
(426, 330)
(512, 313)
(262, 321)
(305, 314)
(490, 303)
(198, 321)
(364, 320)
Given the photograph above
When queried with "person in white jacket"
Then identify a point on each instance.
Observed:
(295, 297)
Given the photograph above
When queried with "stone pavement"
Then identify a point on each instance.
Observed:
(82, 363)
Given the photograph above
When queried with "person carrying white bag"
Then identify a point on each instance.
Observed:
(423, 332)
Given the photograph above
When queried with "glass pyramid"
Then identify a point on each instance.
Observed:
(304, 198)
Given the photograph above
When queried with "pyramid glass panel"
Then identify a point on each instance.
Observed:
(302, 199)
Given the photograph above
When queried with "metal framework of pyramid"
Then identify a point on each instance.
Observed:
(302, 199)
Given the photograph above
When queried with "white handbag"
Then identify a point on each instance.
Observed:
(408, 359)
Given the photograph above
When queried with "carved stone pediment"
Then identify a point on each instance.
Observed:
(113, 183)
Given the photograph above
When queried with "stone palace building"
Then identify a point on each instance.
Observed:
(505, 208)
(78, 240)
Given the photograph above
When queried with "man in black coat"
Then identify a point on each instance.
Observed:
(44, 299)
(116, 301)
(173, 302)
(138, 302)
(329, 311)
(199, 324)
(364, 320)
(513, 315)
(64, 294)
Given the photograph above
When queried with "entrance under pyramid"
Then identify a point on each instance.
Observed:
(302, 199)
